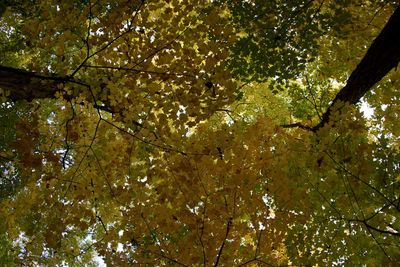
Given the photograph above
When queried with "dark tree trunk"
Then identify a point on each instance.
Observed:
(24, 85)
(382, 56)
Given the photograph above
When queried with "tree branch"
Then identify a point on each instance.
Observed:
(228, 228)
(297, 125)
(25, 85)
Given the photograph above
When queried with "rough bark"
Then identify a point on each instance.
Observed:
(382, 56)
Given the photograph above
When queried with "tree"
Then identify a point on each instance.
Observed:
(140, 135)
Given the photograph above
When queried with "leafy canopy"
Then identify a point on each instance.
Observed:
(178, 133)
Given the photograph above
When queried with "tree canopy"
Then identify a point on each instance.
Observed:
(199, 133)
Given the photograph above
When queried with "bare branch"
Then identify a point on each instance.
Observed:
(228, 228)
(297, 125)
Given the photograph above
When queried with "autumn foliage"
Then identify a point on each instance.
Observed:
(199, 133)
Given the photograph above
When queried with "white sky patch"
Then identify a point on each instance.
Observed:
(99, 261)
(366, 109)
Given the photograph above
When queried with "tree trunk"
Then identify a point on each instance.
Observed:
(382, 56)
(24, 85)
